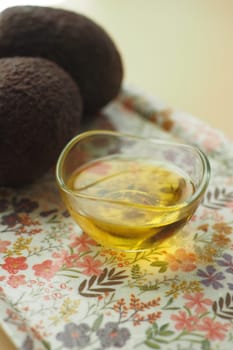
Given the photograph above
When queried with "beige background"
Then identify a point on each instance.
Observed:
(178, 50)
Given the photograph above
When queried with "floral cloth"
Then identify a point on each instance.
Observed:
(60, 290)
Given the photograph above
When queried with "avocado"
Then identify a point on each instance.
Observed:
(73, 41)
(40, 110)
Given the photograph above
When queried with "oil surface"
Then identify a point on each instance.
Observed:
(129, 203)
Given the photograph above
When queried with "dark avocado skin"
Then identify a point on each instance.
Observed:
(73, 41)
(40, 111)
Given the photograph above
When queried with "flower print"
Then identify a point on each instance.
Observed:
(82, 242)
(19, 246)
(207, 253)
(25, 205)
(222, 227)
(151, 318)
(213, 216)
(71, 260)
(36, 331)
(211, 143)
(16, 280)
(230, 205)
(220, 239)
(28, 344)
(60, 255)
(12, 315)
(46, 269)
(3, 246)
(14, 265)
(26, 220)
(203, 227)
(90, 266)
(214, 330)
(74, 335)
(181, 260)
(184, 321)
(135, 307)
(198, 302)
(226, 262)
(64, 259)
(10, 219)
(112, 335)
(211, 277)
(136, 304)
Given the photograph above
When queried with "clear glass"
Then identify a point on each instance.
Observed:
(129, 192)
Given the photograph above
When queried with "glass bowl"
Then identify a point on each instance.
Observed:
(128, 192)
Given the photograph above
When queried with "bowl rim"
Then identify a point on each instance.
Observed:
(200, 190)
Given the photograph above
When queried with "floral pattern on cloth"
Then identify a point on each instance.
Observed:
(60, 290)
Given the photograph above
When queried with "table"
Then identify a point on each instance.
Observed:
(179, 51)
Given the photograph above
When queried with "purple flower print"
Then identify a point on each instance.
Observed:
(226, 262)
(27, 344)
(211, 277)
(74, 335)
(112, 335)
(24, 205)
(230, 286)
(10, 220)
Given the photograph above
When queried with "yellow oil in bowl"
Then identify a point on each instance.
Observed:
(128, 202)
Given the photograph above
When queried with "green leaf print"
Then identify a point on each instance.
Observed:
(97, 323)
(205, 345)
(151, 345)
(161, 264)
(46, 345)
(156, 335)
(136, 271)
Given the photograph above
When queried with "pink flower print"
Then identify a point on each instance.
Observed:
(181, 260)
(211, 143)
(14, 265)
(46, 269)
(198, 302)
(60, 257)
(16, 281)
(184, 321)
(82, 242)
(214, 330)
(4, 245)
(71, 260)
(230, 206)
(90, 266)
